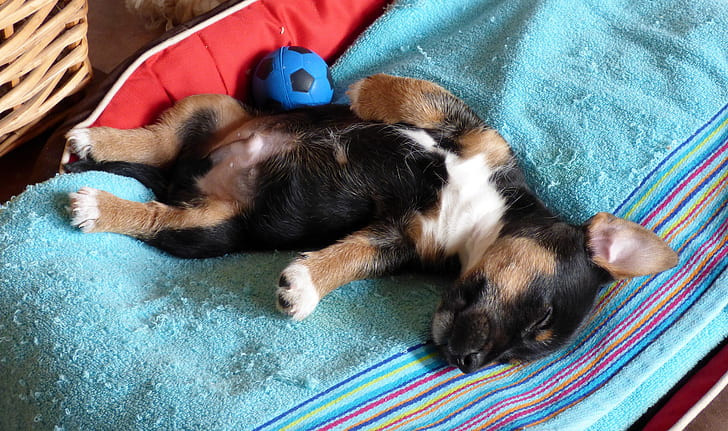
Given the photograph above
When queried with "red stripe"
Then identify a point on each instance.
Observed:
(537, 391)
(390, 396)
(632, 317)
(683, 184)
(614, 332)
(668, 309)
(652, 299)
(636, 336)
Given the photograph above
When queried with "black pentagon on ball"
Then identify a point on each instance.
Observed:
(264, 68)
(299, 49)
(301, 81)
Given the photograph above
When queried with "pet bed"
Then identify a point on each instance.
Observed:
(609, 105)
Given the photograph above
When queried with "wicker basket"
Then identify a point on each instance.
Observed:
(43, 59)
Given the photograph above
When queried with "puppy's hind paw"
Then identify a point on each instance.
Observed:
(296, 295)
(79, 142)
(379, 97)
(84, 209)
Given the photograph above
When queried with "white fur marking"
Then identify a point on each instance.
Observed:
(470, 206)
(301, 293)
(421, 137)
(471, 209)
(84, 209)
(80, 141)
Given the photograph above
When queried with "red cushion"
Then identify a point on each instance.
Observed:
(220, 57)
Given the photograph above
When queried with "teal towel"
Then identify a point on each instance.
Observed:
(591, 94)
(610, 105)
(99, 331)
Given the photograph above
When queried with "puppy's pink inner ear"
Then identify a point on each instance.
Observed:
(626, 249)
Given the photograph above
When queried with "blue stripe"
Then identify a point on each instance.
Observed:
(614, 369)
(338, 385)
(556, 362)
(433, 390)
(646, 206)
(388, 386)
(641, 212)
(695, 193)
(663, 186)
(701, 286)
(669, 157)
(379, 394)
(559, 362)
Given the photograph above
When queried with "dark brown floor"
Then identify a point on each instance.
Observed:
(114, 35)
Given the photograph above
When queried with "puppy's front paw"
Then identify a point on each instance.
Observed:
(84, 209)
(79, 142)
(296, 294)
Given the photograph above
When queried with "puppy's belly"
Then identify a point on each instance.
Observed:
(235, 166)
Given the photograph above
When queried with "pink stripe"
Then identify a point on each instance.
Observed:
(611, 336)
(652, 214)
(653, 298)
(683, 184)
(591, 353)
(698, 207)
(614, 333)
(613, 356)
(580, 360)
(548, 383)
(451, 394)
(390, 396)
(712, 191)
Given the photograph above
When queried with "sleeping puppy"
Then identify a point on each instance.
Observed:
(407, 174)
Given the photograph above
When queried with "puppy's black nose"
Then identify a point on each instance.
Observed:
(469, 362)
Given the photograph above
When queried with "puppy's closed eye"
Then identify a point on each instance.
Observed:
(540, 324)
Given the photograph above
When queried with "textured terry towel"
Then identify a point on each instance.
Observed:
(611, 106)
(591, 94)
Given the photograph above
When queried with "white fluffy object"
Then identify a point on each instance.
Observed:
(169, 12)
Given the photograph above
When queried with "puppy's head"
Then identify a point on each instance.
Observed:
(535, 286)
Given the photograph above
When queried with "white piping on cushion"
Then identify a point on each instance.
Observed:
(702, 403)
(96, 113)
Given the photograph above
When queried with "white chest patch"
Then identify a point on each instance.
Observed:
(471, 209)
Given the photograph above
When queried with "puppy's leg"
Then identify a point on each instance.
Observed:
(366, 253)
(193, 231)
(190, 122)
(424, 104)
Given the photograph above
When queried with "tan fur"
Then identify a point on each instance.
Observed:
(643, 253)
(158, 144)
(426, 245)
(350, 259)
(512, 263)
(392, 100)
(544, 336)
(489, 143)
(143, 220)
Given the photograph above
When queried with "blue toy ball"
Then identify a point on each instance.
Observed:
(291, 77)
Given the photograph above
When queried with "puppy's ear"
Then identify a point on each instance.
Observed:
(626, 249)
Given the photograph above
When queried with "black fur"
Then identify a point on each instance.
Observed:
(152, 177)
(334, 174)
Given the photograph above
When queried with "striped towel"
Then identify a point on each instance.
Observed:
(643, 336)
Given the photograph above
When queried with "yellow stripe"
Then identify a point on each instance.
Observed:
(675, 166)
(358, 389)
(422, 409)
(704, 199)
